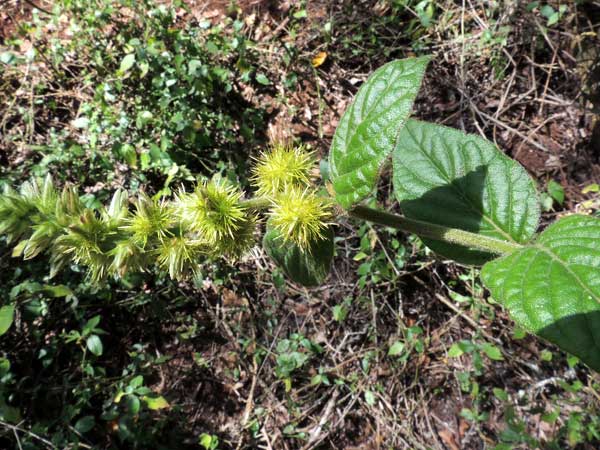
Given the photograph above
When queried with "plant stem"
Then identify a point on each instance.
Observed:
(256, 203)
(437, 232)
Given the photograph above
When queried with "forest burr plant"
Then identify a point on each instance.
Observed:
(459, 193)
(213, 220)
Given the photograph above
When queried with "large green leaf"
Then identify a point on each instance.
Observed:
(552, 287)
(309, 268)
(369, 128)
(446, 177)
(7, 314)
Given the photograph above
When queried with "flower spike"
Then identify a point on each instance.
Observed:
(282, 165)
(213, 210)
(150, 220)
(300, 216)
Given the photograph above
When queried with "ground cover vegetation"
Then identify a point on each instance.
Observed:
(142, 118)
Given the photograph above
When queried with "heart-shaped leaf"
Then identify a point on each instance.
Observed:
(369, 128)
(449, 178)
(306, 267)
(552, 287)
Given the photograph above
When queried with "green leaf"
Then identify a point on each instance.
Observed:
(556, 191)
(194, 67)
(309, 268)
(208, 441)
(7, 314)
(94, 345)
(262, 79)
(133, 404)
(546, 202)
(449, 178)
(128, 153)
(7, 58)
(58, 291)
(455, 351)
(143, 390)
(396, 349)
(8, 413)
(155, 402)
(500, 394)
(340, 312)
(547, 11)
(127, 62)
(85, 424)
(552, 287)
(90, 325)
(368, 130)
(81, 122)
(553, 19)
(4, 366)
(370, 398)
(301, 14)
(546, 355)
(136, 381)
(492, 351)
(143, 117)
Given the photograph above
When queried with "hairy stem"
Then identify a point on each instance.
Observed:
(437, 232)
(257, 203)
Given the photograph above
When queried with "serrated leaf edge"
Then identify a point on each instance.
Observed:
(498, 155)
(359, 193)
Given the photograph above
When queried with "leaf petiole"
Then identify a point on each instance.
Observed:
(434, 231)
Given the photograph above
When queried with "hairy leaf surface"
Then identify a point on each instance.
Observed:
(446, 177)
(552, 287)
(309, 268)
(369, 128)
